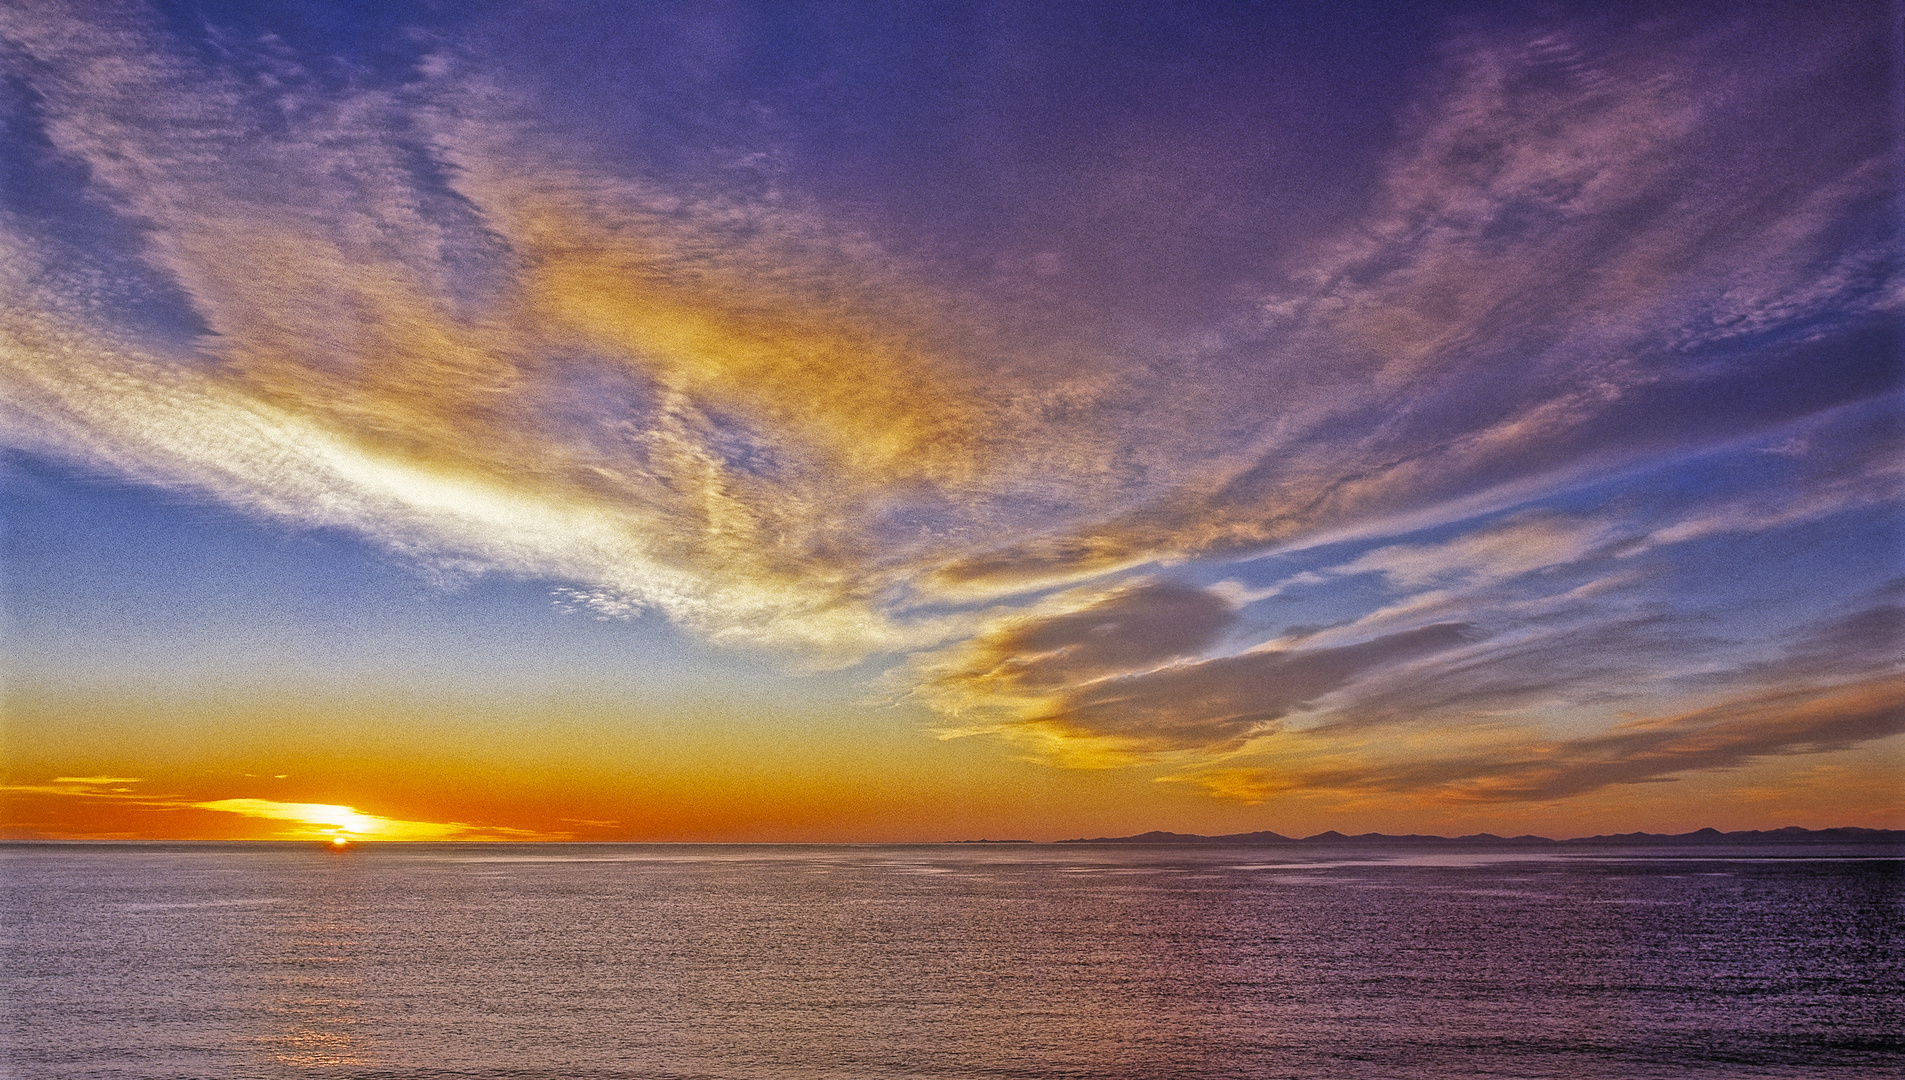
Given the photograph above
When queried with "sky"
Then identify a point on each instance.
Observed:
(917, 422)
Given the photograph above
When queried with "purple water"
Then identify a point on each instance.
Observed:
(527, 961)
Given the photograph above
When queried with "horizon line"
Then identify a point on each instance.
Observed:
(1163, 837)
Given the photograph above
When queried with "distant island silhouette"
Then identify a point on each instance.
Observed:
(1792, 834)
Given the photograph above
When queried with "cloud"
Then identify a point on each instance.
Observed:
(419, 326)
(604, 605)
(1834, 685)
(1591, 658)
(1861, 643)
(417, 310)
(1593, 606)
(303, 821)
(1134, 627)
(1581, 256)
(322, 821)
(1868, 636)
(1213, 704)
(432, 318)
(1849, 461)
(1591, 637)
(1520, 545)
(1651, 750)
(1119, 677)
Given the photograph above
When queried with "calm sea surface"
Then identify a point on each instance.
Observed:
(524, 961)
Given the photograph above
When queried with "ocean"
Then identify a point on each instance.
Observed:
(976, 960)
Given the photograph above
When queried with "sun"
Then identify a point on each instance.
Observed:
(340, 841)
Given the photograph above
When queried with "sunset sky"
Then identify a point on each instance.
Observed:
(886, 421)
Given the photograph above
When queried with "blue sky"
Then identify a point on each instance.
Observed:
(885, 422)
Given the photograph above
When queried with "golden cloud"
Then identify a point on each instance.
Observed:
(323, 821)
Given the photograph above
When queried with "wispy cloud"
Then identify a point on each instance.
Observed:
(1118, 679)
(1499, 767)
(420, 311)
(300, 821)
(435, 322)
(1571, 265)
(321, 821)
(723, 411)
(1460, 729)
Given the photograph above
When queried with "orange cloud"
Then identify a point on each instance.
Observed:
(113, 800)
(319, 821)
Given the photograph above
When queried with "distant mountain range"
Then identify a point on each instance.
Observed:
(1792, 834)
